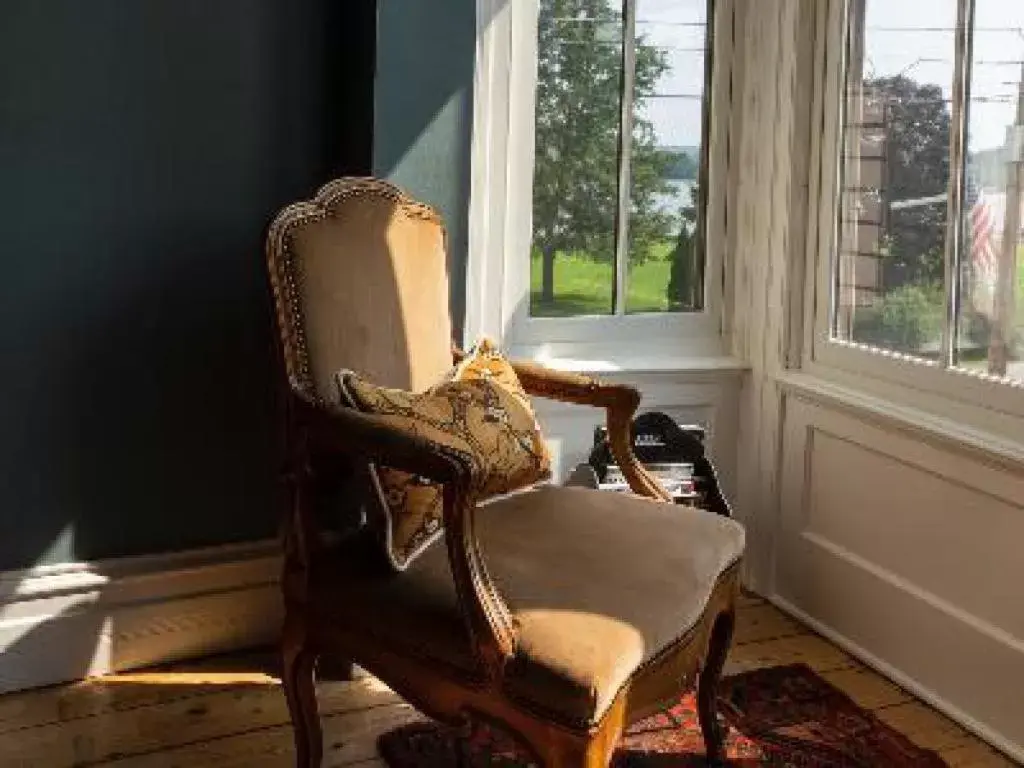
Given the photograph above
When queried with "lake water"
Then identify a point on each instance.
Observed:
(681, 195)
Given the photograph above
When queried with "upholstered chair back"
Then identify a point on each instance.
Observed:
(360, 281)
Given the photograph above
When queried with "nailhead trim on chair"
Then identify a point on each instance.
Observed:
(285, 277)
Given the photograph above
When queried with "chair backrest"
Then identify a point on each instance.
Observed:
(360, 281)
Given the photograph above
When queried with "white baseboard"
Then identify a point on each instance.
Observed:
(66, 622)
(1011, 748)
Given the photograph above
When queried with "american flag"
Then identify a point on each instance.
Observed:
(984, 259)
(983, 252)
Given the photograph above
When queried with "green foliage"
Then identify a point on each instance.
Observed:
(905, 319)
(682, 166)
(915, 126)
(577, 137)
(686, 280)
(585, 285)
(975, 333)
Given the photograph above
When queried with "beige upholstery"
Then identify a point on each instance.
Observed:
(584, 626)
(371, 276)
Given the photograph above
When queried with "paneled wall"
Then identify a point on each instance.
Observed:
(867, 518)
(907, 548)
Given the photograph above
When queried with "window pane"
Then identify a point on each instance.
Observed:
(579, 83)
(666, 266)
(889, 271)
(990, 327)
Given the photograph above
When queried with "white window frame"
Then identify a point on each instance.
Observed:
(974, 398)
(501, 204)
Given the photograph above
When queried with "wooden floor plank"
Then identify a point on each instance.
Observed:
(748, 600)
(230, 712)
(65, 703)
(924, 726)
(976, 754)
(219, 712)
(866, 688)
(349, 738)
(764, 622)
(126, 691)
(818, 654)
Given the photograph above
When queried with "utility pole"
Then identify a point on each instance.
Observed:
(1006, 281)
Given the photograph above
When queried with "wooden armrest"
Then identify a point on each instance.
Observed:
(347, 431)
(620, 401)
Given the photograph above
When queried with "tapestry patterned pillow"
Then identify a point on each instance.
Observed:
(481, 411)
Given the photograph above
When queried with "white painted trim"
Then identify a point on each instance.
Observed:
(956, 384)
(70, 621)
(601, 357)
(984, 628)
(1012, 749)
(500, 219)
(819, 179)
(953, 433)
(489, 171)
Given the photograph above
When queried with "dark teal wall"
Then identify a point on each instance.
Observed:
(143, 148)
(424, 110)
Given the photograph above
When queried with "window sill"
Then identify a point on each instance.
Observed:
(986, 445)
(599, 359)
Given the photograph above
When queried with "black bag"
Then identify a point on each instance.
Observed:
(657, 439)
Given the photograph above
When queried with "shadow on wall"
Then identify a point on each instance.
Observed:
(138, 175)
(423, 119)
(144, 148)
(146, 429)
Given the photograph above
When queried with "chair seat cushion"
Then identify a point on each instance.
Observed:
(598, 584)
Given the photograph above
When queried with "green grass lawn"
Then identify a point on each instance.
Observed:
(584, 287)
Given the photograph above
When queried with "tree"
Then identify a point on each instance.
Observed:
(577, 138)
(682, 166)
(916, 132)
(686, 275)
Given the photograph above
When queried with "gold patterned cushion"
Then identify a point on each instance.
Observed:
(479, 411)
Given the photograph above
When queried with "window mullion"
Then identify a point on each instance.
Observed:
(625, 152)
(952, 257)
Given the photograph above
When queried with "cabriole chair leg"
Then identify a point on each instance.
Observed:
(707, 689)
(298, 677)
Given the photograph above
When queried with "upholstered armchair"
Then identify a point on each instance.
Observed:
(563, 613)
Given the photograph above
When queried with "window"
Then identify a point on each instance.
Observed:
(620, 145)
(585, 246)
(928, 260)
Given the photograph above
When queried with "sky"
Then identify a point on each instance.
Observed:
(913, 37)
(678, 27)
(916, 38)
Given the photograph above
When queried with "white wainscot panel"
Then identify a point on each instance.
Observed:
(705, 398)
(911, 554)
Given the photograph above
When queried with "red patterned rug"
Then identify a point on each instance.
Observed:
(778, 716)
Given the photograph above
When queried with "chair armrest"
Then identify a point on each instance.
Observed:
(340, 430)
(620, 402)
(347, 431)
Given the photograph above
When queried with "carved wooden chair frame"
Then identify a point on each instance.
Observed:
(315, 429)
